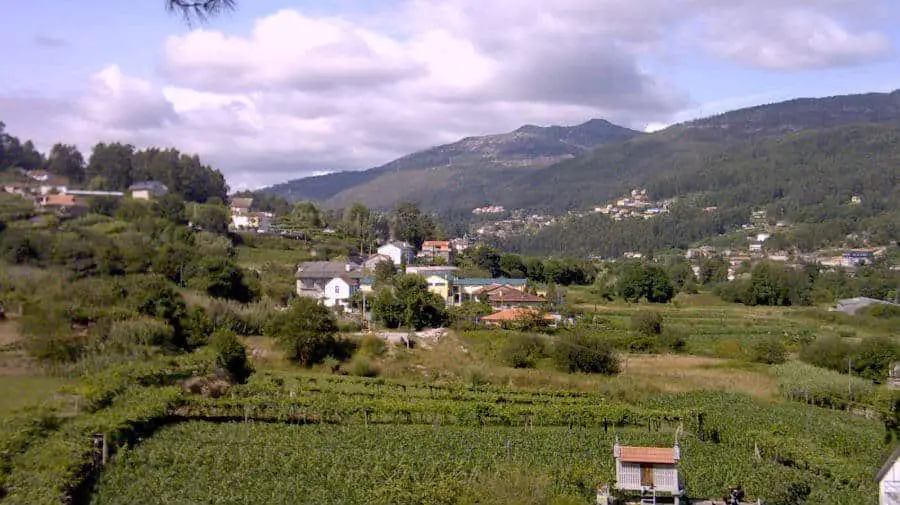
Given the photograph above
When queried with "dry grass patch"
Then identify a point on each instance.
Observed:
(265, 354)
(675, 374)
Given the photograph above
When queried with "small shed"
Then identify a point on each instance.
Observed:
(648, 470)
(888, 479)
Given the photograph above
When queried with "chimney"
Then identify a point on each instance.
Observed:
(347, 267)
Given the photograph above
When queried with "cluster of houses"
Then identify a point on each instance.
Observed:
(53, 193)
(847, 259)
(519, 223)
(489, 209)
(334, 283)
(637, 205)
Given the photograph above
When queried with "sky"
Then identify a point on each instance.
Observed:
(279, 90)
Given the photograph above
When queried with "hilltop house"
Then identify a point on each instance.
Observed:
(399, 252)
(240, 205)
(147, 190)
(242, 218)
(38, 175)
(648, 470)
(437, 249)
(313, 278)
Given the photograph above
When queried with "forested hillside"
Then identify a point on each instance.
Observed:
(807, 178)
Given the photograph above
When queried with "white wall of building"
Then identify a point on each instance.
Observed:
(337, 291)
(889, 486)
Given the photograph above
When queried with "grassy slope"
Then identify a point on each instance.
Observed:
(22, 382)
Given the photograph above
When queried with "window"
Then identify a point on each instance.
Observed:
(337, 290)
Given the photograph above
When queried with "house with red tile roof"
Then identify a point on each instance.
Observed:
(437, 249)
(502, 297)
(512, 315)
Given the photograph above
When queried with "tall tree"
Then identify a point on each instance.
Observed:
(410, 224)
(31, 158)
(110, 166)
(66, 160)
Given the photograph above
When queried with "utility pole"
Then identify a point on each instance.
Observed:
(850, 377)
(365, 321)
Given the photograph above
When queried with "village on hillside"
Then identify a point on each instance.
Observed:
(54, 193)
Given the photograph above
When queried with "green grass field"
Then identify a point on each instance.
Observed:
(449, 423)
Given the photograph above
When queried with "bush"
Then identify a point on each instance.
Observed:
(770, 351)
(581, 353)
(874, 357)
(523, 350)
(231, 356)
(361, 366)
(306, 331)
(647, 322)
(370, 345)
(142, 331)
(882, 311)
(828, 352)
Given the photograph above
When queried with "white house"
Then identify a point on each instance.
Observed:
(648, 470)
(888, 479)
(372, 261)
(399, 252)
(340, 289)
(148, 190)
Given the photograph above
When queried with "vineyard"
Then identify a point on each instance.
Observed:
(315, 438)
(353, 440)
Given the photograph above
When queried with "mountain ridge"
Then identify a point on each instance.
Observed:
(528, 146)
(552, 169)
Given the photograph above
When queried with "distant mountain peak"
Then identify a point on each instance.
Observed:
(529, 146)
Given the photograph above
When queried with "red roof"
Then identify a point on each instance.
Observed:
(60, 201)
(513, 314)
(500, 294)
(441, 245)
(659, 455)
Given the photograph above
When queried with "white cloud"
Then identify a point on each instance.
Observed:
(121, 102)
(300, 94)
(791, 39)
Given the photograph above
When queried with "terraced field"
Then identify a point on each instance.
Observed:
(374, 441)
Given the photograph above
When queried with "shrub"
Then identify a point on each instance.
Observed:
(770, 351)
(647, 322)
(306, 331)
(882, 311)
(828, 352)
(580, 353)
(197, 327)
(672, 340)
(361, 366)
(231, 356)
(370, 345)
(523, 350)
(874, 357)
(141, 331)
